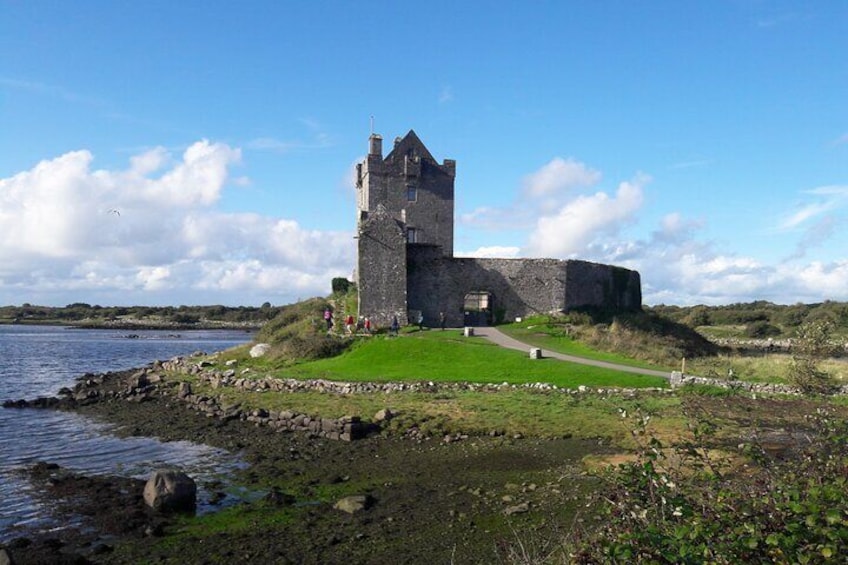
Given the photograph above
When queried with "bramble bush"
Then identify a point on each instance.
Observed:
(683, 505)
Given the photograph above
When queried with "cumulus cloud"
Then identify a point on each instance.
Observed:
(560, 175)
(576, 224)
(75, 233)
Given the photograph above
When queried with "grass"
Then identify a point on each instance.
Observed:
(433, 355)
(527, 412)
(539, 337)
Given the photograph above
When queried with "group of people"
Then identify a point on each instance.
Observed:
(363, 323)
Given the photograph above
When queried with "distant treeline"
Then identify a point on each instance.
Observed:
(80, 313)
(760, 318)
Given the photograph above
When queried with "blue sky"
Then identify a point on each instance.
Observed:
(190, 152)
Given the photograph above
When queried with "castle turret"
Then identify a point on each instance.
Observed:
(413, 190)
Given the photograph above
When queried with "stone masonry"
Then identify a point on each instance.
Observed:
(405, 264)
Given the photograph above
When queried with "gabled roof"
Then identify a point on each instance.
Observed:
(410, 142)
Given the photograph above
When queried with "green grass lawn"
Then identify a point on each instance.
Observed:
(434, 355)
(539, 336)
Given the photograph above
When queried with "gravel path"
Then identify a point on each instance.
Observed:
(496, 336)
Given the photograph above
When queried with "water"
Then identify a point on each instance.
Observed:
(38, 361)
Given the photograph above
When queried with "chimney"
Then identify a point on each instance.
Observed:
(375, 144)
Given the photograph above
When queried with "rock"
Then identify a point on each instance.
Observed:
(184, 390)
(170, 490)
(353, 504)
(517, 509)
(259, 349)
(383, 415)
(5, 558)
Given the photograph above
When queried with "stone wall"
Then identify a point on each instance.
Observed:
(430, 213)
(519, 287)
(381, 269)
(602, 286)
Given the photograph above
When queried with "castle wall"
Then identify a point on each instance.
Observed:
(593, 285)
(406, 265)
(519, 287)
(381, 269)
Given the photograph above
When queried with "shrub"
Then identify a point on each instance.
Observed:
(681, 505)
(761, 329)
(812, 346)
(340, 285)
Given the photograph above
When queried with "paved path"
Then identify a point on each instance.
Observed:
(496, 336)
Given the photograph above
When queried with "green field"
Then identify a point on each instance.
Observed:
(448, 356)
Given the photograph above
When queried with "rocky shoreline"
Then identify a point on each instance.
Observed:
(327, 491)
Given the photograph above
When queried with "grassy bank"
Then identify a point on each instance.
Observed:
(448, 356)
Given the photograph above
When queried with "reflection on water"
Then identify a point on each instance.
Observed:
(38, 361)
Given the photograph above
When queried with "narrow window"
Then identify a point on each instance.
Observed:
(411, 235)
(411, 193)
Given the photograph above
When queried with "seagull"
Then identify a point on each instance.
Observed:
(113, 211)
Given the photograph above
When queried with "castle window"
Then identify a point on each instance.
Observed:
(411, 235)
(411, 193)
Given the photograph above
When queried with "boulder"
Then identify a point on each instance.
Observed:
(259, 349)
(170, 490)
(354, 503)
(383, 415)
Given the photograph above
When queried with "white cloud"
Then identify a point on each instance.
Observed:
(578, 223)
(492, 252)
(831, 197)
(560, 175)
(69, 233)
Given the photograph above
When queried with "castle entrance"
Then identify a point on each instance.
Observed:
(478, 308)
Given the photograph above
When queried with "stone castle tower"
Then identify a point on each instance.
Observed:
(405, 262)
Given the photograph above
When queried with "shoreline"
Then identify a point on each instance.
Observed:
(426, 499)
(205, 326)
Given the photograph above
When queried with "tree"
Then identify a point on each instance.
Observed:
(340, 285)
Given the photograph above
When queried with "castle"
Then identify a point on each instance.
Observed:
(405, 263)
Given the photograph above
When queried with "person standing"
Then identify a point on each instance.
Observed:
(395, 327)
(349, 324)
(420, 321)
(328, 317)
(442, 320)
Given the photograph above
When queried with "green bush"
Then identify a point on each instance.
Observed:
(690, 508)
(761, 329)
(813, 344)
(341, 285)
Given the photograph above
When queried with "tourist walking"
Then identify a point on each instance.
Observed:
(395, 326)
